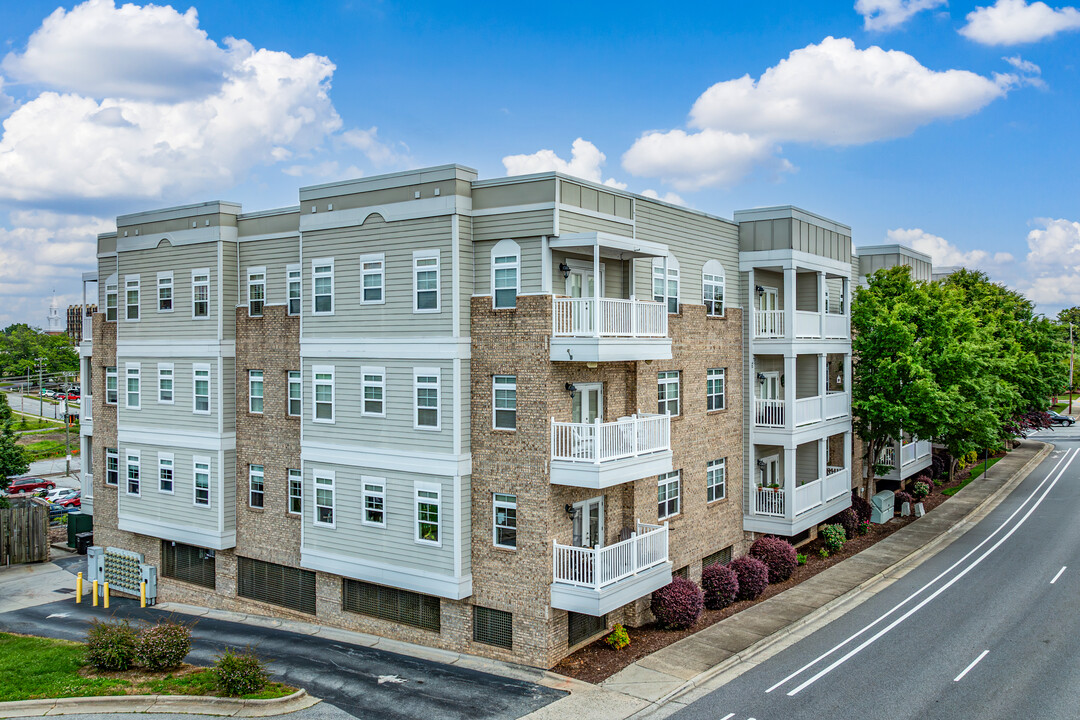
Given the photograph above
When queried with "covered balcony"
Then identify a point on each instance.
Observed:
(905, 458)
(599, 319)
(791, 303)
(598, 455)
(819, 394)
(598, 580)
(89, 299)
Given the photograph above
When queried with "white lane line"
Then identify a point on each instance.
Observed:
(974, 662)
(943, 573)
(943, 588)
(728, 716)
(1058, 574)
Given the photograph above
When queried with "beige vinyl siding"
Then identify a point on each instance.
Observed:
(806, 372)
(178, 324)
(466, 259)
(771, 279)
(230, 280)
(162, 416)
(535, 192)
(531, 223)
(594, 199)
(394, 544)
(396, 430)
(616, 274)
(531, 269)
(268, 224)
(834, 286)
(466, 406)
(806, 463)
(806, 291)
(794, 234)
(228, 379)
(177, 509)
(395, 317)
(274, 255)
(570, 222)
(229, 489)
(106, 267)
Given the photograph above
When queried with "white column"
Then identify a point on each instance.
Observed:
(789, 392)
(821, 308)
(789, 303)
(847, 378)
(597, 279)
(751, 301)
(822, 381)
(822, 457)
(847, 459)
(789, 482)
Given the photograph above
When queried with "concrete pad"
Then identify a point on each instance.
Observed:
(687, 658)
(733, 637)
(641, 682)
(762, 621)
(348, 637)
(25, 708)
(786, 610)
(598, 704)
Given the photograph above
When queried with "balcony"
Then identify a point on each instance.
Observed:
(914, 454)
(86, 410)
(598, 580)
(769, 413)
(788, 510)
(87, 329)
(601, 455)
(771, 324)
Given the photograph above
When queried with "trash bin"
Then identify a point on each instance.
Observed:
(78, 522)
(83, 541)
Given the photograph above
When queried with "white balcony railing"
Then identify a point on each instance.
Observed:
(768, 412)
(578, 317)
(922, 449)
(807, 324)
(836, 326)
(87, 329)
(809, 496)
(808, 410)
(837, 483)
(603, 442)
(768, 323)
(833, 469)
(888, 456)
(599, 567)
(837, 404)
(769, 501)
(907, 453)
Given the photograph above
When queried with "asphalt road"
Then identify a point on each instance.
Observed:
(33, 406)
(985, 629)
(363, 682)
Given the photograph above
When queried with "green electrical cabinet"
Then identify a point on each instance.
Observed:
(78, 522)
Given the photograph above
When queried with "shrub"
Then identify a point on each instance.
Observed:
(939, 465)
(164, 645)
(920, 490)
(618, 638)
(847, 519)
(800, 559)
(111, 645)
(753, 576)
(925, 478)
(864, 528)
(822, 553)
(861, 507)
(971, 458)
(678, 604)
(834, 537)
(778, 555)
(901, 497)
(240, 673)
(721, 586)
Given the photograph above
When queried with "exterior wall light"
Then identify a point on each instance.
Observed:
(565, 270)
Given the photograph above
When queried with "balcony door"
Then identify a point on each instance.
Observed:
(588, 403)
(769, 299)
(580, 284)
(769, 471)
(589, 523)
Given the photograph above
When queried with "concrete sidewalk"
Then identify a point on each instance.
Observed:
(732, 646)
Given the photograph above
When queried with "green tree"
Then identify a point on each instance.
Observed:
(1069, 315)
(12, 457)
(21, 346)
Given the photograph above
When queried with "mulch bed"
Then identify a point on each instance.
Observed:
(596, 662)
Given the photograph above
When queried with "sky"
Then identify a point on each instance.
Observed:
(950, 127)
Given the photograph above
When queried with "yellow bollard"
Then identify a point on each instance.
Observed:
(78, 589)
(142, 594)
(95, 593)
(106, 594)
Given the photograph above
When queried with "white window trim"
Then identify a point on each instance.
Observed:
(672, 477)
(194, 284)
(317, 475)
(128, 454)
(422, 255)
(365, 384)
(381, 493)
(115, 374)
(672, 274)
(294, 378)
(506, 248)
(722, 464)
(195, 462)
(252, 474)
(132, 282)
(113, 453)
(678, 386)
(166, 275)
(379, 258)
(298, 475)
(252, 271)
(319, 262)
(209, 388)
(251, 396)
(495, 504)
(323, 370)
(172, 377)
(112, 288)
(723, 391)
(419, 487)
(714, 268)
(166, 457)
(494, 409)
(289, 270)
(128, 367)
(417, 373)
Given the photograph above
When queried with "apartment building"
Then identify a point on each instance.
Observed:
(485, 415)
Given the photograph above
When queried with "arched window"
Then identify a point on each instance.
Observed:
(505, 273)
(712, 288)
(668, 291)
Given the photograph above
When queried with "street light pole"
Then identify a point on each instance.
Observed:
(1071, 355)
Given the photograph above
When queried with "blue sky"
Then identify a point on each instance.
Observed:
(949, 127)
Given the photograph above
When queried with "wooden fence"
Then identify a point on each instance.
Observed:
(24, 534)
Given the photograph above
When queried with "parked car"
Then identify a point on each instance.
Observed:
(71, 501)
(55, 511)
(49, 393)
(29, 485)
(1057, 418)
(60, 493)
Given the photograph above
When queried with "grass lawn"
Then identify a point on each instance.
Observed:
(975, 472)
(41, 447)
(33, 668)
(33, 422)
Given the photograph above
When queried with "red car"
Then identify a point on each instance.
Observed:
(73, 501)
(29, 485)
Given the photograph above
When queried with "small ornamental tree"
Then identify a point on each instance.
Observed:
(778, 555)
(678, 604)
(721, 586)
(847, 519)
(240, 672)
(861, 507)
(753, 576)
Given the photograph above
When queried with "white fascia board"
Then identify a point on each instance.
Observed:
(187, 534)
(785, 258)
(434, 348)
(428, 583)
(175, 437)
(404, 460)
(177, 348)
(610, 241)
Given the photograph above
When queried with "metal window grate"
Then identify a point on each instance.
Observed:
(683, 572)
(581, 627)
(720, 557)
(276, 584)
(188, 563)
(387, 603)
(493, 627)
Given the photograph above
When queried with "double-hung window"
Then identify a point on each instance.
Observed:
(667, 495)
(374, 388)
(716, 479)
(296, 393)
(504, 397)
(165, 383)
(256, 290)
(505, 273)
(372, 279)
(110, 301)
(131, 297)
(323, 392)
(255, 391)
(505, 516)
(712, 288)
(667, 392)
(202, 481)
(131, 386)
(670, 290)
(165, 473)
(374, 501)
(200, 293)
(426, 383)
(714, 388)
(296, 492)
(255, 486)
(322, 286)
(324, 498)
(201, 385)
(112, 466)
(425, 281)
(111, 385)
(428, 527)
(165, 291)
(292, 288)
(133, 476)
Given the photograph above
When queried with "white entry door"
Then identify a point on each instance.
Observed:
(770, 472)
(588, 403)
(589, 523)
(580, 284)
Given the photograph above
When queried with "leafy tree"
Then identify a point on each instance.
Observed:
(12, 457)
(21, 346)
(1069, 315)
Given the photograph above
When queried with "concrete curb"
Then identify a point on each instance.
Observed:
(185, 704)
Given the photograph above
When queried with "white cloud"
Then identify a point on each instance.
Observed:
(943, 253)
(690, 161)
(379, 153)
(1053, 264)
(1012, 22)
(586, 162)
(7, 103)
(326, 171)
(668, 197)
(889, 14)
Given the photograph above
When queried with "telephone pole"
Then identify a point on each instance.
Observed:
(1071, 354)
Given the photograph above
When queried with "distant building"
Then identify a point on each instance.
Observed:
(940, 273)
(75, 317)
(54, 323)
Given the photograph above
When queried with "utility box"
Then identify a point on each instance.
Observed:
(78, 522)
(149, 576)
(95, 564)
(883, 507)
